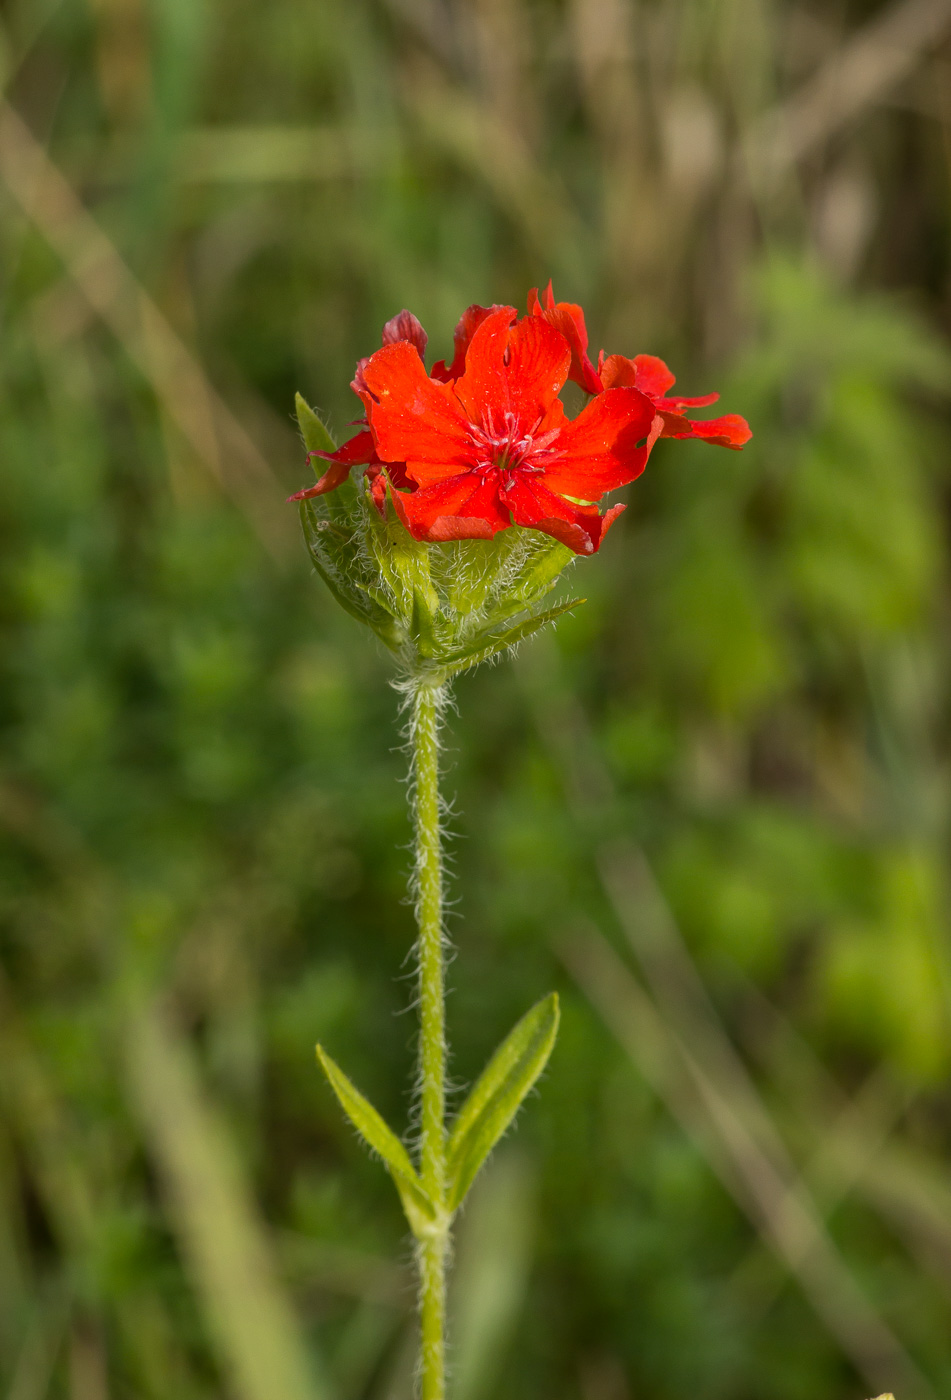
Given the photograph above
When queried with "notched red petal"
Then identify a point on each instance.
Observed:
(584, 536)
(568, 319)
(462, 507)
(513, 373)
(580, 527)
(617, 371)
(356, 453)
(675, 402)
(606, 446)
(332, 478)
(413, 418)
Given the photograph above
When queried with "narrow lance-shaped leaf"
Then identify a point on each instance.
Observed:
(498, 1093)
(487, 644)
(420, 1211)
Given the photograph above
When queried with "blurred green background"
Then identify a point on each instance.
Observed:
(712, 810)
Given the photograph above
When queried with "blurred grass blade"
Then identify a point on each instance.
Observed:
(420, 1211)
(224, 1241)
(110, 288)
(493, 1259)
(33, 1369)
(498, 1094)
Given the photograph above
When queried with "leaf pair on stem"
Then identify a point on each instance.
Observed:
(487, 1112)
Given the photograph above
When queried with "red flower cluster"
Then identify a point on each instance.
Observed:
(484, 442)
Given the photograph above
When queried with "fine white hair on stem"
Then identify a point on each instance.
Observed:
(442, 701)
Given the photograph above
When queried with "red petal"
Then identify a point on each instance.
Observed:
(463, 507)
(653, 376)
(568, 319)
(332, 478)
(378, 476)
(603, 447)
(676, 403)
(513, 373)
(674, 425)
(405, 326)
(357, 452)
(581, 528)
(729, 431)
(415, 420)
(469, 323)
(617, 372)
(359, 385)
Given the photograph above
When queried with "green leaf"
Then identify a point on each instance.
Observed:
(498, 1094)
(420, 1210)
(486, 644)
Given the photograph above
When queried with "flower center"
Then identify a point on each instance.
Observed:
(499, 446)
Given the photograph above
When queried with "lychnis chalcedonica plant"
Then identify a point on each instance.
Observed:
(477, 491)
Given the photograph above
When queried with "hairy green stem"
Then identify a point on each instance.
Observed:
(433, 1251)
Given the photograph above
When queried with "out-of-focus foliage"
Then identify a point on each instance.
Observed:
(202, 826)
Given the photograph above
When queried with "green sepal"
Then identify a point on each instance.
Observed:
(404, 564)
(478, 570)
(498, 1094)
(540, 576)
(422, 623)
(498, 577)
(334, 549)
(472, 574)
(316, 436)
(402, 560)
(417, 1204)
(487, 644)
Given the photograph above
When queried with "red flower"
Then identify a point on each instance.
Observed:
(494, 448)
(653, 378)
(484, 443)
